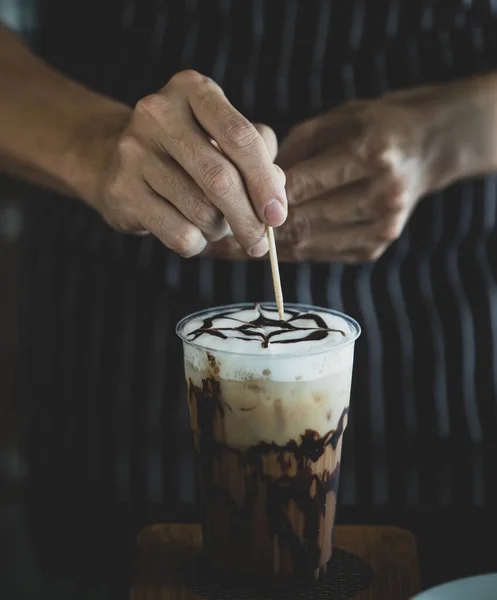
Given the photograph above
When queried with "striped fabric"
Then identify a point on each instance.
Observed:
(100, 355)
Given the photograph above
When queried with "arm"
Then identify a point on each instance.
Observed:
(52, 126)
(356, 173)
(151, 169)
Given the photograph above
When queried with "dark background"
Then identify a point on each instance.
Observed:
(94, 436)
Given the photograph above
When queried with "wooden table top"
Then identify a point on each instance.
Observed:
(163, 549)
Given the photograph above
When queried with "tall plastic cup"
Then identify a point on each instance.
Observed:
(268, 430)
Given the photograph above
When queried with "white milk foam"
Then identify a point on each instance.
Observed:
(271, 394)
(243, 356)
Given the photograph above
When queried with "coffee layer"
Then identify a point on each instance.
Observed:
(274, 504)
(261, 410)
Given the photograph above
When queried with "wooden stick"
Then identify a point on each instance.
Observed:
(276, 272)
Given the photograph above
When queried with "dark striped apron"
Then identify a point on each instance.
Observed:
(100, 358)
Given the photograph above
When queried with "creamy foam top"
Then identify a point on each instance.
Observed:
(254, 344)
(259, 330)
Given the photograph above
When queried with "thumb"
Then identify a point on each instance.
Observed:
(269, 138)
(271, 142)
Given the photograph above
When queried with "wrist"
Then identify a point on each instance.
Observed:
(89, 150)
(460, 125)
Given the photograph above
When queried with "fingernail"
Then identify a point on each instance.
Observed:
(259, 249)
(275, 213)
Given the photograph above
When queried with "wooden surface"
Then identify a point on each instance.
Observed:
(390, 552)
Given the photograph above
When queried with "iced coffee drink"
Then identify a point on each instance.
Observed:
(268, 401)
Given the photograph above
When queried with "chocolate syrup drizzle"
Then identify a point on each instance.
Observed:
(281, 491)
(248, 330)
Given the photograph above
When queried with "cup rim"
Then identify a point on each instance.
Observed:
(356, 329)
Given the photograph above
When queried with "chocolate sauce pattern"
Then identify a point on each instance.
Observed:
(248, 329)
(282, 491)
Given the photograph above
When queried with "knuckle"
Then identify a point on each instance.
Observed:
(206, 216)
(129, 148)
(199, 85)
(113, 192)
(187, 241)
(119, 212)
(390, 230)
(219, 180)
(300, 184)
(240, 134)
(385, 154)
(393, 197)
(122, 225)
(116, 194)
(380, 151)
(153, 105)
(248, 240)
(247, 227)
(188, 77)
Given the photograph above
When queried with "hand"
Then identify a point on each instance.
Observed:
(186, 165)
(354, 176)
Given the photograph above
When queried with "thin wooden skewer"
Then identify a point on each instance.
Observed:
(276, 272)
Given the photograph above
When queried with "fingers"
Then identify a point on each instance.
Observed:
(320, 254)
(170, 226)
(211, 171)
(355, 223)
(350, 244)
(364, 200)
(353, 245)
(269, 138)
(188, 167)
(222, 184)
(235, 173)
(227, 248)
(171, 182)
(353, 177)
(323, 173)
(240, 141)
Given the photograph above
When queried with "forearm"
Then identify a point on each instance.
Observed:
(53, 130)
